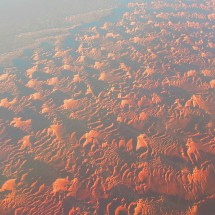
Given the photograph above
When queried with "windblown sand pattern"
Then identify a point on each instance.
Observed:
(116, 118)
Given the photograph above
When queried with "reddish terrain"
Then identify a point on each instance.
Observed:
(117, 118)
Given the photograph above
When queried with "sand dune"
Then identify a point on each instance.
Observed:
(117, 117)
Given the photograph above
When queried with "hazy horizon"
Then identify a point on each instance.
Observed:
(21, 16)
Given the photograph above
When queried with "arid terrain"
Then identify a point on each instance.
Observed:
(36, 18)
(114, 117)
